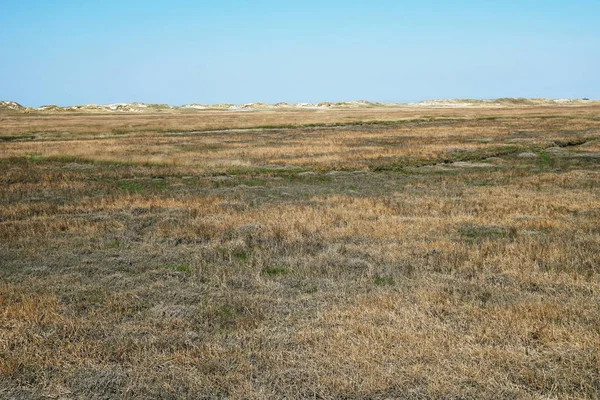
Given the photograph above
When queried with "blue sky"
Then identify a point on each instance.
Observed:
(176, 52)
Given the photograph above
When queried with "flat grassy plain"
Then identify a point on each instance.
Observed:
(371, 253)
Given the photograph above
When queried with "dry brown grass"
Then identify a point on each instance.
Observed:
(421, 259)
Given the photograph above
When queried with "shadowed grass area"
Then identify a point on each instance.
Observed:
(408, 254)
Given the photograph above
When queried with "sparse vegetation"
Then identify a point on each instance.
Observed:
(409, 253)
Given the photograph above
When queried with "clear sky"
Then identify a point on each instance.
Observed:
(76, 52)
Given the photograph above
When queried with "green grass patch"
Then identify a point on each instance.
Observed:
(275, 271)
(178, 268)
(545, 160)
(113, 244)
(34, 157)
(241, 255)
(383, 281)
(159, 184)
(131, 187)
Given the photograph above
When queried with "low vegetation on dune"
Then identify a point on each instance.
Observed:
(355, 253)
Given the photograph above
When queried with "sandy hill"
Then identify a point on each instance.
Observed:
(137, 107)
(11, 106)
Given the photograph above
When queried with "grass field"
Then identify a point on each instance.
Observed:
(372, 253)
